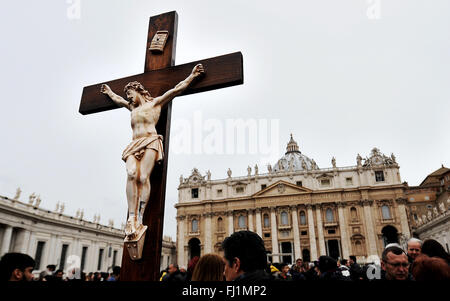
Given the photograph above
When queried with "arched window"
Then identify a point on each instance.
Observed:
(390, 234)
(242, 222)
(386, 212)
(358, 242)
(266, 221)
(329, 214)
(194, 225)
(353, 214)
(284, 218)
(219, 224)
(302, 218)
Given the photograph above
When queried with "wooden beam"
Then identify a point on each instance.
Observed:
(220, 72)
(147, 268)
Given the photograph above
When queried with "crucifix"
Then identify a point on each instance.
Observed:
(148, 95)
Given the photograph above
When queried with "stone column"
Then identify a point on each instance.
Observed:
(6, 242)
(258, 222)
(180, 240)
(371, 237)
(119, 256)
(403, 217)
(345, 242)
(297, 248)
(230, 223)
(93, 257)
(250, 220)
(23, 241)
(51, 259)
(312, 233)
(185, 257)
(208, 240)
(274, 234)
(322, 249)
(208, 192)
(31, 251)
(76, 250)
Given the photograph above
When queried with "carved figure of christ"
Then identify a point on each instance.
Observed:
(142, 254)
(146, 149)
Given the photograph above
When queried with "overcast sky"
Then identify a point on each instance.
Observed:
(342, 76)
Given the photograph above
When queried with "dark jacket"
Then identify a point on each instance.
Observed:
(333, 275)
(258, 275)
(311, 274)
(175, 277)
(355, 272)
(296, 276)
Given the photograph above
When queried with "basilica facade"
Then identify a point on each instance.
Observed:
(299, 209)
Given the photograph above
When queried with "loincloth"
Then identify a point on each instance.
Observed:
(138, 146)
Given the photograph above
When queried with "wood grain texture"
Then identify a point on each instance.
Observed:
(159, 76)
(220, 72)
(147, 268)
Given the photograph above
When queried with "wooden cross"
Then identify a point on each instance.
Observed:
(160, 75)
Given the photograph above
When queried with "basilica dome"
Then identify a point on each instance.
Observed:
(294, 160)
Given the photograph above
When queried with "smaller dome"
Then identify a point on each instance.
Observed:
(292, 146)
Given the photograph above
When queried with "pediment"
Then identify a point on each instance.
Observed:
(324, 176)
(281, 188)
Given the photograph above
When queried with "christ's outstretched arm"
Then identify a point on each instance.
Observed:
(180, 87)
(105, 89)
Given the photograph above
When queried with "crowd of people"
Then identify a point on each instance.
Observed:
(245, 261)
(19, 267)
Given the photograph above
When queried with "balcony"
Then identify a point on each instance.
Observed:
(355, 222)
(284, 227)
(387, 221)
(330, 224)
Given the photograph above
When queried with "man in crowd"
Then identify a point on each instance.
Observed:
(328, 269)
(59, 275)
(297, 271)
(16, 267)
(414, 249)
(355, 268)
(394, 264)
(344, 267)
(174, 275)
(245, 257)
(115, 275)
(47, 275)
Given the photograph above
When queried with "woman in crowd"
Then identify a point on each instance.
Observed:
(430, 268)
(433, 248)
(210, 267)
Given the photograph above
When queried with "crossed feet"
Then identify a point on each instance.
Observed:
(132, 227)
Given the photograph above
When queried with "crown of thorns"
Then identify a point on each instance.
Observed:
(137, 86)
